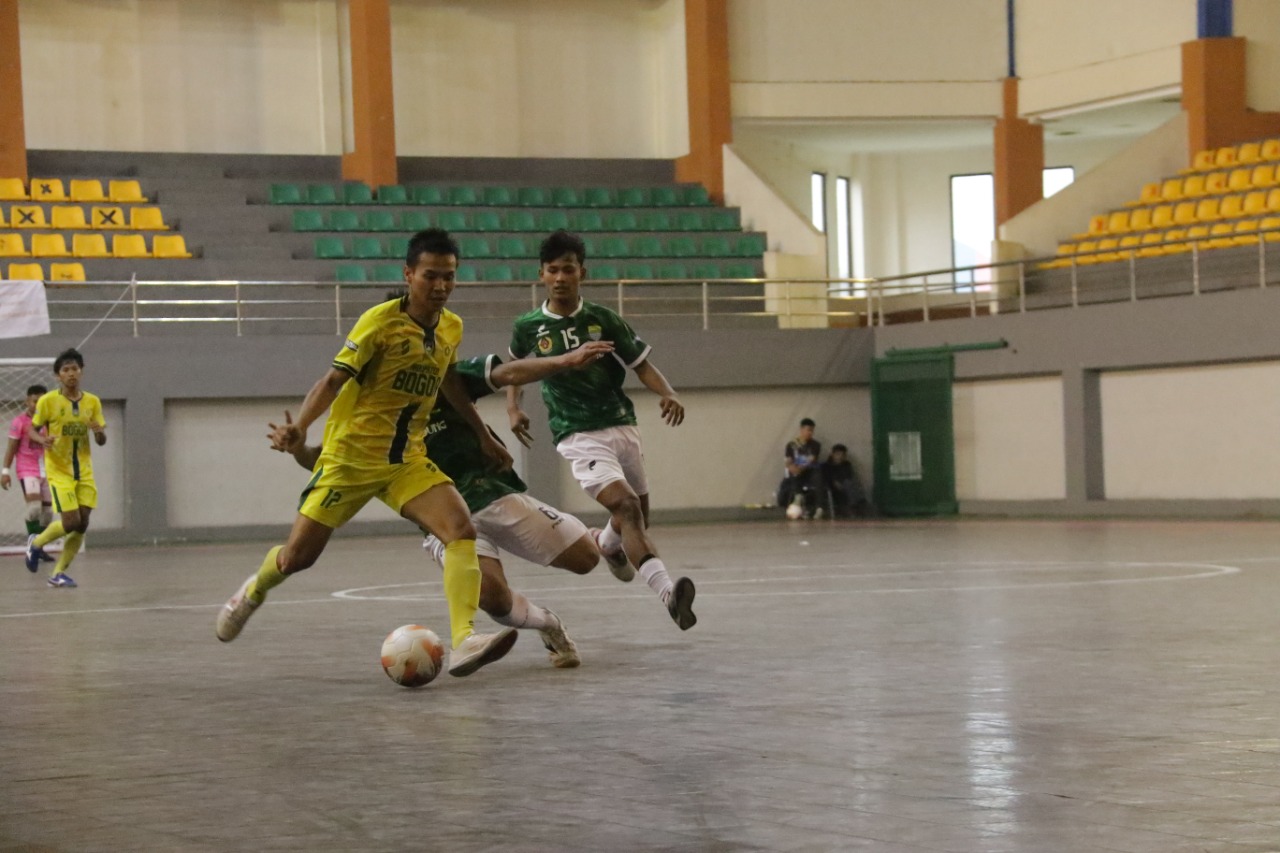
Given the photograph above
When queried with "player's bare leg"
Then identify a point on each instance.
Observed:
(306, 542)
(629, 513)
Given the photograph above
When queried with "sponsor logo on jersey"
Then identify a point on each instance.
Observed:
(351, 345)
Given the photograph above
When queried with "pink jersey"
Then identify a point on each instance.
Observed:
(26, 463)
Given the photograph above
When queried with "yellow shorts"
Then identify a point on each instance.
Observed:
(338, 490)
(70, 495)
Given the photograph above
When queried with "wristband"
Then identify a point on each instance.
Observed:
(4, 471)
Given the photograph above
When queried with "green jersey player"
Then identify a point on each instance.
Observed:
(592, 421)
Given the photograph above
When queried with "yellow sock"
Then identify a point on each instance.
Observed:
(461, 587)
(269, 577)
(52, 532)
(70, 547)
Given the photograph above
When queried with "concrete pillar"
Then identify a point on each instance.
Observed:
(372, 95)
(710, 120)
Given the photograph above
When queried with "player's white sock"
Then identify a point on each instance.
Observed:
(524, 614)
(655, 575)
(610, 539)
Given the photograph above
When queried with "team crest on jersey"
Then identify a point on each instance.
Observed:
(544, 345)
(594, 331)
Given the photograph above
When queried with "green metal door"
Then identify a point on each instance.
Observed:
(914, 446)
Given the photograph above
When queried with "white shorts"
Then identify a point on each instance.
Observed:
(604, 456)
(33, 486)
(521, 525)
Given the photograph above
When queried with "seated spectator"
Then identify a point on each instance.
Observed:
(804, 471)
(847, 495)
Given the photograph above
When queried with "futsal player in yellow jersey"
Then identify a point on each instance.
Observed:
(71, 415)
(382, 386)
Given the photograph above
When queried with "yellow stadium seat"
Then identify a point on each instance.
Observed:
(1197, 234)
(146, 219)
(1185, 213)
(68, 217)
(1150, 195)
(87, 190)
(47, 189)
(107, 217)
(129, 246)
(1255, 203)
(1084, 247)
(49, 246)
(1129, 242)
(1208, 210)
(1231, 207)
(126, 191)
(66, 272)
(1171, 190)
(1246, 233)
(1225, 156)
(1220, 235)
(1202, 161)
(4, 223)
(1108, 256)
(1149, 249)
(1193, 186)
(1272, 224)
(11, 189)
(1174, 242)
(27, 216)
(1097, 227)
(1270, 149)
(1215, 183)
(1118, 222)
(12, 246)
(169, 246)
(1249, 153)
(1238, 180)
(1273, 200)
(1263, 176)
(1140, 219)
(89, 246)
(1162, 216)
(26, 272)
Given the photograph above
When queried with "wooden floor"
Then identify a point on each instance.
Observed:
(959, 686)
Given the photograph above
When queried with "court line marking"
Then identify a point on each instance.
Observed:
(572, 594)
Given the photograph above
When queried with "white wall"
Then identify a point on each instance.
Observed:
(1259, 22)
(729, 450)
(1009, 439)
(1198, 433)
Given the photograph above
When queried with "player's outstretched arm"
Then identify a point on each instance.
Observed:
(316, 403)
(652, 378)
(525, 370)
(455, 391)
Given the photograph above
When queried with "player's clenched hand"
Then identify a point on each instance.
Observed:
(499, 458)
(286, 437)
(520, 427)
(4, 482)
(672, 411)
(588, 353)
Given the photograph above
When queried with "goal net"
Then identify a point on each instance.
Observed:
(16, 375)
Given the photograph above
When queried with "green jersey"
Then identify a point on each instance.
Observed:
(454, 447)
(590, 398)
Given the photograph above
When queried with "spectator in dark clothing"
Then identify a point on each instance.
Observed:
(804, 470)
(847, 495)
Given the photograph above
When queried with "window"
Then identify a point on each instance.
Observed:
(818, 200)
(844, 254)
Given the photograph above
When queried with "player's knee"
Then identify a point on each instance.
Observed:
(452, 530)
(580, 557)
(628, 509)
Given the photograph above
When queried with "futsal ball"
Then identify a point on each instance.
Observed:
(412, 655)
(795, 511)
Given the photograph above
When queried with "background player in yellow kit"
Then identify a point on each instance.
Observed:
(70, 415)
(400, 354)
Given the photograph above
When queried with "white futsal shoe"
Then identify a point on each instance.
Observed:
(478, 650)
(617, 561)
(561, 649)
(236, 612)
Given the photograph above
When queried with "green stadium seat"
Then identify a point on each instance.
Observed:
(695, 194)
(606, 271)
(657, 220)
(389, 272)
(309, 220)
(469, 196)
(500, 272)
(499, 196)
(453, 220)
(749, 245)
(430, 195)
(533, 197)
(286, 194)
(566, 197)
(415, 220)
(380, 220)
(398, 247)
(682, 246)
(640, 269)
(609, 247)
(739, 270)
(634, 197)
(553, 220)
(467, 272)
(357, 193)
(321, 194)
(366, 248)
(665, 196)
(327, 248)
(704, 271)
(475, 247)
(720, 219)
(716, 246)
(648, 247)
(600, 197)
(393, 194)
(346, 220)
(527, 272)
(689, 220)
(486, 220)
(622, 220)
(587, 220)
(514, 247)
(519, 220)
(351, 273)
(673, 271)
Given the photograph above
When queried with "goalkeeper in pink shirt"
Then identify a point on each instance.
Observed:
(24, 460)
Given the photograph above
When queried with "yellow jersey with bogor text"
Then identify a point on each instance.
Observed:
(69, 425)
(380, 415)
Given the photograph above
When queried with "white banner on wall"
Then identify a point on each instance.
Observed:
(24, 312)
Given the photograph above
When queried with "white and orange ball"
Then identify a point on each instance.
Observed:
(412, 655)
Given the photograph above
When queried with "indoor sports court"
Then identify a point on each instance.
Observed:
(964, 685)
